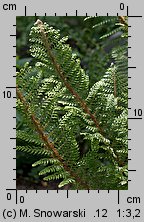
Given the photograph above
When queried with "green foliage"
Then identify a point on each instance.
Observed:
(59, 108)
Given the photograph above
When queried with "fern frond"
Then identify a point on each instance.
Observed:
(106, 20)
(33, 150)
(58, 108)
(56, 176)
(50, 169)
(66, 182)
(46, 161)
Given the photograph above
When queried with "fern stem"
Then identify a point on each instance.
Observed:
(62, 75)
(48, 145)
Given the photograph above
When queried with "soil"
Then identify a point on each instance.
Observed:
(24, 184)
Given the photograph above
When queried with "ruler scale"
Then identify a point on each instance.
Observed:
(71, 205)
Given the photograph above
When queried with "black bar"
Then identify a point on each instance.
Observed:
(129, 139)
(47, 191)
(129, 108)
(118, 197)
(16, 197)
(130, 149)
(129, 98)
(10, 189)
(14, 148)
(134, 117)
(129, 47)
(12, 35)
(129, 129)
(129, 159)
(14, 46)
(35, 14)
(14, 66)
(14, 107)
(107, 14)
(14, 56)
(129, 57)
(132, 170)
(12, 138)
(14, 158)
(14, 179)
(86, 14)
(14, 128)
(88, 191)
(129, 77)
(57, 191)
(131, 67)
(36, 191)
(129, 88)
(129, 180)
(55, 14)
(66, 14)
(76, 12)
(14, 117)
(45, 14)
(129, 36)
(10, 87)
(135, 16)
(98, 191)
(117, 14)
(14, 25)
(108, 191)
(67, 194)
(14, 169)
(77, 191)
(25, 10)
(96, 14)
(14, 76)
(127, 10)
(129, 26)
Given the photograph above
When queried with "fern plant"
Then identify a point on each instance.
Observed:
(58, 109)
